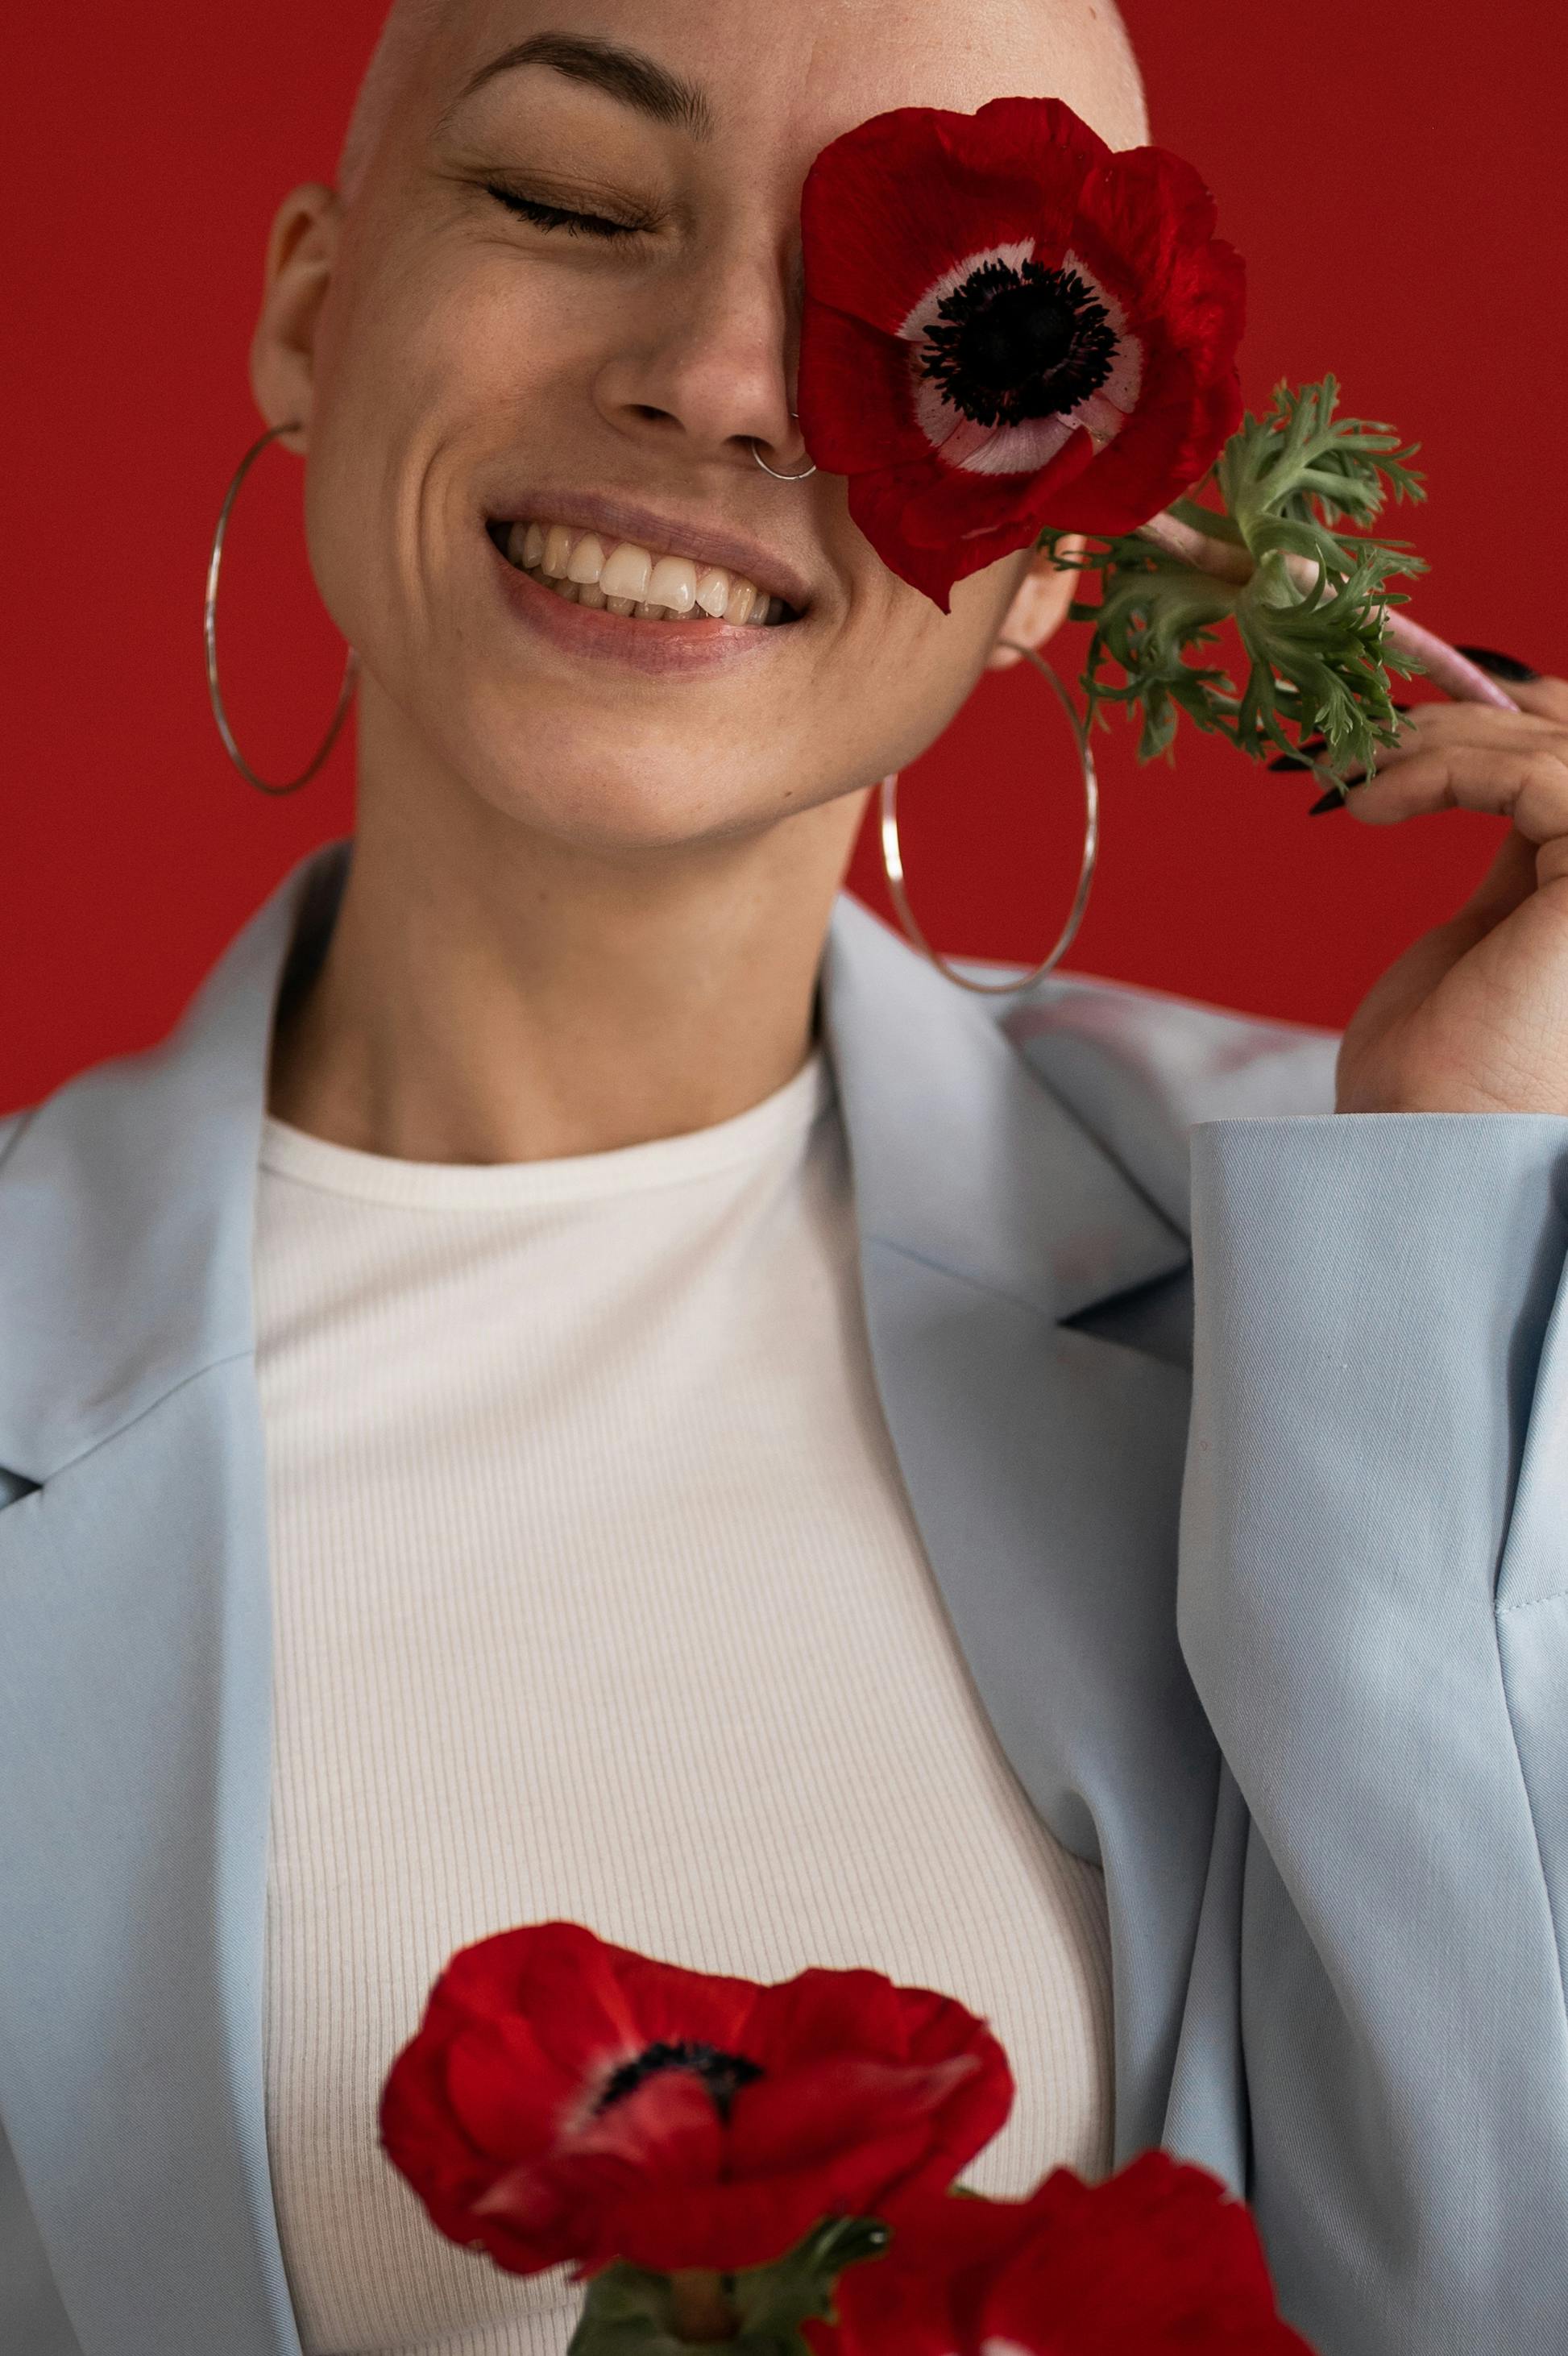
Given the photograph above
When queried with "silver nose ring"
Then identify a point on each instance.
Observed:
(773, 470)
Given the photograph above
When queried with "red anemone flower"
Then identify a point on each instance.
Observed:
(569, 2100)
(1158, 2261)
(1010, 326)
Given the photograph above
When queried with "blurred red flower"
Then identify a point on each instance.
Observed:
(1010, 326)
(1158, 2261)
(565, 2099)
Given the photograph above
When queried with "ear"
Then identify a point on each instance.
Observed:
(1040, 605)
(301, 253)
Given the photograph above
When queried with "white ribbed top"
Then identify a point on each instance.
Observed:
(597, 1596)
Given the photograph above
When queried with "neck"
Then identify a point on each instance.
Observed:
(489, 995)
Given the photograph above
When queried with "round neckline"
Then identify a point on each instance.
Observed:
(748, 1137)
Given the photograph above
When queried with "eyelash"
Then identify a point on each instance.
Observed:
(552, 217)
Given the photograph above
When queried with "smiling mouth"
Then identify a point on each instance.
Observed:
(645, 585)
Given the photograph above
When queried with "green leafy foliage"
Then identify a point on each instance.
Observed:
(1291, 598)
(629, 2312)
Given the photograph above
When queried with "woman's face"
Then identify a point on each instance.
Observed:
(461, 366)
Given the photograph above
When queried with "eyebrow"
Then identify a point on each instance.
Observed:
(628, 75)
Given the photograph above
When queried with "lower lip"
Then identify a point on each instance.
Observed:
(662, 649)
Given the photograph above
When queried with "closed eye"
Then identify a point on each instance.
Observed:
(544, 216)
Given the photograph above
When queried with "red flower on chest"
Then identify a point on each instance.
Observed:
(565, 2099)
(1157, 2261)
(1010, 328)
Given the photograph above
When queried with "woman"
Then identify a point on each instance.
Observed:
(585, 1380)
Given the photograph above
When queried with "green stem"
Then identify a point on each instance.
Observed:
(701, 2308)
(1225, 561)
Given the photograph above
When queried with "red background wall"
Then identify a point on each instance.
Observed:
(1405, 226)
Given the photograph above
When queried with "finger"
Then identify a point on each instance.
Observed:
(1547, 698)
(1525, 780)
(1310, 751)
(1508, 882)
(1424, 725)
(1480, 725)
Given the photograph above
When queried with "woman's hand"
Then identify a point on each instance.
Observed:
(1474, 1018)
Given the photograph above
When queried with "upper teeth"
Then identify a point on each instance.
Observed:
(630, 580)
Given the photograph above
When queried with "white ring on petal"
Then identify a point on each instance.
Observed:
(1125, 385)
(960, 440)
(924, 314)
(1100, 419)
(1024, 449)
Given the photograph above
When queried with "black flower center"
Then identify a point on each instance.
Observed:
(1014, 343)
(724, 2075)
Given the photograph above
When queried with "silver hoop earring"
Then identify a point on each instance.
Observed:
(893, 856)
(773, 470)
(351, 669)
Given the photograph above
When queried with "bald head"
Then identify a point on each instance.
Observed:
(1100, 22)
(411, 26)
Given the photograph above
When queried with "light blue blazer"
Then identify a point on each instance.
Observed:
(1274, 1624)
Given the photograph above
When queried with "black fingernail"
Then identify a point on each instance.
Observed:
(1333, 800)
(1311, 748)
(1500, 666)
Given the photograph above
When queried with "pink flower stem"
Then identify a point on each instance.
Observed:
(1449, 669)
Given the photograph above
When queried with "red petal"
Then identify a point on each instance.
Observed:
(856, 405)
(427, 2145)
(524, 2225)
(891, 507)
(731, 2223)
(557, 1976)
(1142, 218)
(853, 2019)
(664, 2143)
(954, 505)
(589, 2002)
(729, 2227)
(924, 2295)
(669, 2128)
(819, 2110)
(1155, 2262)
(1165, 450)
(877, 504)
(910, 194)
(509, 2097)
(1158, 2260)
(671, 2003)
(858, 2013)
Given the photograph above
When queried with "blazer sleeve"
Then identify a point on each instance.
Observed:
(1373, 1604)
(11, 1484)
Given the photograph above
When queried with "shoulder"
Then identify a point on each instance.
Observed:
(11, 1484)
(1141, 1068)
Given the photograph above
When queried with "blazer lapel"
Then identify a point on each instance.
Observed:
(1043, 1466)
(136, 1681)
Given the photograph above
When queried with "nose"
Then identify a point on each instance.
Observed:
(783, 474)
(705, 368)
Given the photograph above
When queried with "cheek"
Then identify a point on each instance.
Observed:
(899, 677)
(469, 340)
(426, 372)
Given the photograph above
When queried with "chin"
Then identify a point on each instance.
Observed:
(614, 807)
